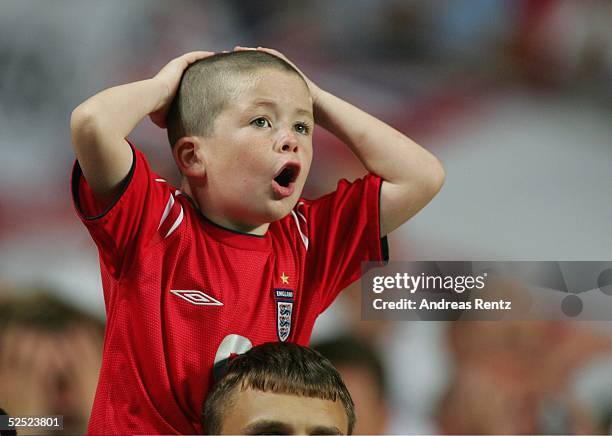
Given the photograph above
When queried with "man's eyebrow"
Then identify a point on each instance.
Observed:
(266, 426)
(321, 430)
(273, 105)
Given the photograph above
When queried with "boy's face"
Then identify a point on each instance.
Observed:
(259, 155)
(256, 412)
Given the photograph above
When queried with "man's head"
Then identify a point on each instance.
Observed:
(279, 388)
(241, 130)
(51, 355)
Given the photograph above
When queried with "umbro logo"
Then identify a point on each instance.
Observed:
(196, 297)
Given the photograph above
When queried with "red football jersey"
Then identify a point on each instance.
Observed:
(182, 293)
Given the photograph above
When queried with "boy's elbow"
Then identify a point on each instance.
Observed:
(438, 176)
(82, 116)
(83, 124)
(431, 178)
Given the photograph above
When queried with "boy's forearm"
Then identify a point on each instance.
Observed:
(116, 111)
(99, 126)
(382, 149)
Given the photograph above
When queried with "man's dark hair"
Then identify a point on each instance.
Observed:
(278, 367)
(209, 84)
(41, 308)
(354, 352)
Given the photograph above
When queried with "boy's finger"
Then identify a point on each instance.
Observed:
(272, 52)
(196, 55)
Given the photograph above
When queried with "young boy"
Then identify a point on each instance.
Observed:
(234, 258)
(279, 388)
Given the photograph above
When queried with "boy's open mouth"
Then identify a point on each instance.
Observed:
(285, 178)
(288, 174)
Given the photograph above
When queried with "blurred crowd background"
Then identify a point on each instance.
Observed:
(514, 97)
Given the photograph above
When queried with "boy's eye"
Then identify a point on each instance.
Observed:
(302, 128)
(261, 122)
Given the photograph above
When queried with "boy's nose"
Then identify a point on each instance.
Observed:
(288, 143)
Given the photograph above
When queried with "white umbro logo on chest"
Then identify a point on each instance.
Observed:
(196, 297)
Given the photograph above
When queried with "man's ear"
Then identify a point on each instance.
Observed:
(189, 156)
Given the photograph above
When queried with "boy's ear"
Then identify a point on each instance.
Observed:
(189, 157)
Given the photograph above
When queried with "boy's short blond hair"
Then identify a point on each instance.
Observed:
(209, 84)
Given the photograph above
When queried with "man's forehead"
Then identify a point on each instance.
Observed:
(254, 406)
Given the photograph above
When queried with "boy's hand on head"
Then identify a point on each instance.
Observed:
(99, 126)
(170, 76)
(314, 89)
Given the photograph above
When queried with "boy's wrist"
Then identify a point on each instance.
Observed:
(162, 90)
(315, 93)
(321, 104)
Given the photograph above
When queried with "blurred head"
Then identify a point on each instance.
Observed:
(364, 375)
(40, 309)
(241, 131)
(279, 388)
(50, 355)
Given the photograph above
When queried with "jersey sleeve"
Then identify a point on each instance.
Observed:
(126, 226)
(343, 230)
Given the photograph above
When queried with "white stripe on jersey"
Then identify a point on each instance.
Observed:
(299, 213)
(297, 223)
(177, 222)
(166, 211)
